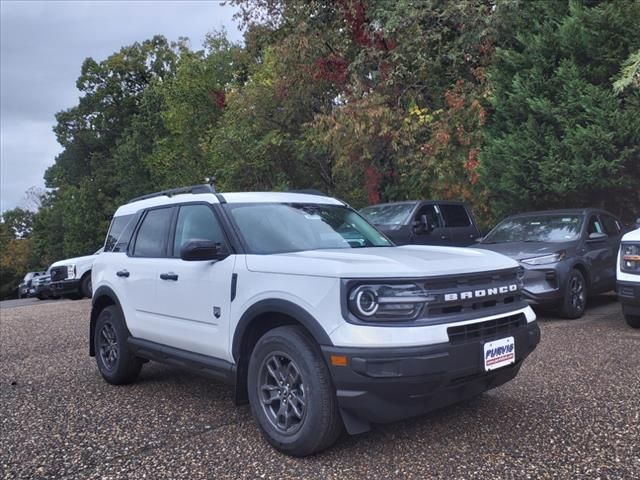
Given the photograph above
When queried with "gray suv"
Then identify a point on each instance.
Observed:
(567, 255)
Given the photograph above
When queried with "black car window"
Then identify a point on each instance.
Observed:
(611, 225)
(196, 222)
(455, 215)
(432, 215)
(595, 226)
(119, 234)
(152, 235)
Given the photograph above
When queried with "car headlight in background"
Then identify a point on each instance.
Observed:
(545, 259)
(387, 302)
(71, 271)
(630, 257)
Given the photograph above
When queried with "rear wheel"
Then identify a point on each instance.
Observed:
(633, 320)
(575, 296)
(116, 362)
(291, 394)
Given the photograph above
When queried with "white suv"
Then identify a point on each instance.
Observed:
(314, 316)
(628, 285)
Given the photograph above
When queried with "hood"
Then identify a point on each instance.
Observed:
(632, 236)
(74, 261)
(522, 250)
(407, 261)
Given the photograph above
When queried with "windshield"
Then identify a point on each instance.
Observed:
(537, 228)
(390, 214)
(290, 227)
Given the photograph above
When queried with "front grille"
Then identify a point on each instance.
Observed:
(58, 273)
(466, 288)
(486, 330)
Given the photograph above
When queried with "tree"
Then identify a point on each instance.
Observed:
(558, 136)
(19, 221)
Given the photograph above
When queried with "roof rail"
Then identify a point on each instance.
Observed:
(195, 189)
(308, 191)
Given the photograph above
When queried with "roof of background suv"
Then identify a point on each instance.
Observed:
(233, 197)
(564, 211)
(447, 202)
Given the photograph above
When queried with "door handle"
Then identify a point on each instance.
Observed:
(122, 273)
(169, 276)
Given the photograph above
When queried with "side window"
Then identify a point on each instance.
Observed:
(431, 212)
(611, 225)
(594, 225)
(196, 222)
(152, 235)
(119, 233)
(455, 215)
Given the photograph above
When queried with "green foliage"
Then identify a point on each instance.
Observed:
(558, 136)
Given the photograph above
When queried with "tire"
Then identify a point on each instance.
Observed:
(305, 395)
(85, 285)
(633, 320)
(116, 363)
(575, 296)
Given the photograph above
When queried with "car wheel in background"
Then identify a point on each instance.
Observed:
(291, 394)
(85, 285)
(575, 296)
(116, 362)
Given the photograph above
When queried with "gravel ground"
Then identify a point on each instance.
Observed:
(573, 412)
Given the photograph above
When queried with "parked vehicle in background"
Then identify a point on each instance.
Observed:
(25, 284)
(567, 255)
(40, 287)
(628, 275)
(72, 277)
(315, 317)
(424, 222)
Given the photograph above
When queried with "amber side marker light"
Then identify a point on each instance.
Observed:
(631, 258)
(339, 360)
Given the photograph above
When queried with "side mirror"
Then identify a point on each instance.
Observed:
(597, 237)
(198, 250)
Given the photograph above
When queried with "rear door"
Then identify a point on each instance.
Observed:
(462, 230)
(138, 276)
(439, 234)
(193, 298)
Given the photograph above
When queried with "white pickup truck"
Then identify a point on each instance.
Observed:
(72, 277)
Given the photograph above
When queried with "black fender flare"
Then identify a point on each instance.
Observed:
(102, 297)
(277, 306)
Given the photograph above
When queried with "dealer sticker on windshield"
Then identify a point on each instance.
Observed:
(499, 353)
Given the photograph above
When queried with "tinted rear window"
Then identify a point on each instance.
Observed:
(119, 233)
(455, 215)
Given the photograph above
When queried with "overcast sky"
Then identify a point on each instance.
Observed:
(42, 47)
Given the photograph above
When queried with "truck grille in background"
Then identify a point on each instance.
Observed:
(58, 273)
(485, 330)
(465, 283)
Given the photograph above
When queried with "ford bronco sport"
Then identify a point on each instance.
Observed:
(628, 277)
(314, 316)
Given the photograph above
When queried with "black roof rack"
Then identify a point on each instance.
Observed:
(195, 189)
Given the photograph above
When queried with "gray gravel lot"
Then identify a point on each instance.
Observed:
(574, 411)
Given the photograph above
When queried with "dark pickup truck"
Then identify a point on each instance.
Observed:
(425, 222)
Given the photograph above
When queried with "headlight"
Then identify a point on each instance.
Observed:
(71, 271)
(383, 302)
(545, 259)
(630, 257)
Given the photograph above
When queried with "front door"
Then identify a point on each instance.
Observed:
(437, 234)
(194, 297)
(598, 254)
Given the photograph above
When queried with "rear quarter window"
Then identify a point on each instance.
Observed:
(119, 233)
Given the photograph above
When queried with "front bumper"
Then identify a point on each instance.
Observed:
(65, 287)
(629, 297)
(543, 285)
(381, 385)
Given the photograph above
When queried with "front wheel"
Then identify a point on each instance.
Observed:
(116, 363)
(633, 320)
(291, 394)
(575, 296)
